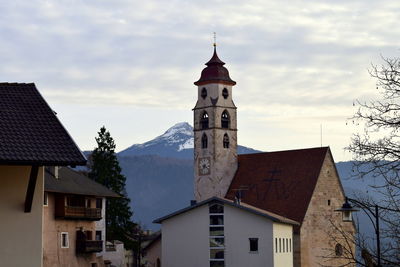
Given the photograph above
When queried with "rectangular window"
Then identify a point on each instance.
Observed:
(45, 199)
(217, 263)
(88, 203)
(217, 242)
(216, 231)
(217, 254)
(253, 244)
(280, 245)
(290, 244)
(64, 240)
(99, 203)
(216, 219)
(98, 235)
(276, 245)
(287, 245)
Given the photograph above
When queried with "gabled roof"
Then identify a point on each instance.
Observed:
(30, 132)
(281, 182)
(242, 206)
(72, 182)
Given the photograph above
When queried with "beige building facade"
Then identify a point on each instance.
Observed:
(20, 231)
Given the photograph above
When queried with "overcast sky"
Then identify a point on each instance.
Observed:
(130, 65)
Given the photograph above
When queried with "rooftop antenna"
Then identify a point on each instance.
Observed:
(215, 39)
(321, 132)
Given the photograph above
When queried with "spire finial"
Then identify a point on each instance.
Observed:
(215, 39)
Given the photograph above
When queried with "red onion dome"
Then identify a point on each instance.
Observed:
(215, 72)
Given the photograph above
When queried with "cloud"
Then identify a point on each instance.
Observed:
(290, 58)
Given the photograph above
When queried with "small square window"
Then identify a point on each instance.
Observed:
(64, 240)
(253, 244)
(217, 231)
(217, 242)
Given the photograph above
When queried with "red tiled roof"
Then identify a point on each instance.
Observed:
(215, 72)
(281, 182)
(30, 132)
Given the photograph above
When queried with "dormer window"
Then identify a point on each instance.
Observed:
(225, 120)
(204, 93)
(225, 93)
(226, 141)
(204, 121)
(204, 141)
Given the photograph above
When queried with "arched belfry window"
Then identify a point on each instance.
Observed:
(226, 141)
(204, 141)
(204, 121)
(225, 120)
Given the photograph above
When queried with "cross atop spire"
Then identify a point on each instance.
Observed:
(215, 39)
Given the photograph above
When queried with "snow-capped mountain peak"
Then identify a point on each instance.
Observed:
(176, 139)
(176, 142)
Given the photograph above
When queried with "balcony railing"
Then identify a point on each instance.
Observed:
(89, 246)
(82, 213)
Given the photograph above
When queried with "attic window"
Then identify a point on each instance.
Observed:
(204, 93)
(216, 208)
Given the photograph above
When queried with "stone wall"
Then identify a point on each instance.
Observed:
(317, 231)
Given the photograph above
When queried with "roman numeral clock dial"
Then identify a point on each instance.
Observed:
(204, 166)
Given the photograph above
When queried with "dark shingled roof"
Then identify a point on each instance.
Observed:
(215, 72)
(30, 132)
(72, 182)
(281, 182)
(243, 206)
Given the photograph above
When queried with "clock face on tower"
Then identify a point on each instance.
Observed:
(204, 166)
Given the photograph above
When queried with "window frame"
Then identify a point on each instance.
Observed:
(62, 234)
(45, 199)
(251, 242)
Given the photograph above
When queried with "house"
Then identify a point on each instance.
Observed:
(31, 137)
(151, 250)
(74, 219)
(301, 185)
(219, 232)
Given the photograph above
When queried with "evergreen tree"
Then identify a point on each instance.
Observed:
(105, 170)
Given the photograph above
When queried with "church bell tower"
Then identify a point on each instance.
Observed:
(215, 131)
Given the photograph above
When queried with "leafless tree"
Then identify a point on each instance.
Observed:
(376, 154)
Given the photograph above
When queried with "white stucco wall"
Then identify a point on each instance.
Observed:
(241, 225)
(185, 239)
(20, 232)
(101, 226)
(283, 256)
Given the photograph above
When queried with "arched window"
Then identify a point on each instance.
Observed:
(204, 121)
(226, 141)
(204, 141)
(204, 93)
(225, 93)
(225, 120)
(338, 250)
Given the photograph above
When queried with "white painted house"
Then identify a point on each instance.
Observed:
(219, 232)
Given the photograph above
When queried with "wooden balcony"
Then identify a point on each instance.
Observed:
(79, 213)
(89, 246)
